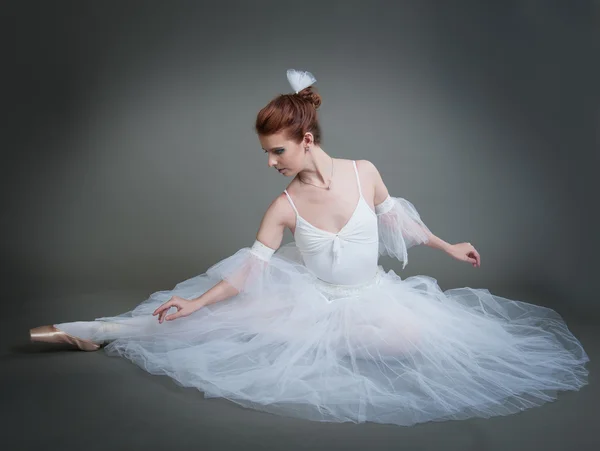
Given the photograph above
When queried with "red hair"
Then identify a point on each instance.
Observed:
(295, 114)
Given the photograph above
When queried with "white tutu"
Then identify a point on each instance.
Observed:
(385, 350)
(389, 350)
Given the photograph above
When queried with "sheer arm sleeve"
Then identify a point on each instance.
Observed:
(246, 269)
(400, 227)
(256, 269)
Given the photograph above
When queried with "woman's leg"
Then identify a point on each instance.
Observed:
(99, 331)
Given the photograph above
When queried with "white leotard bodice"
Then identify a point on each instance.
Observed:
(348, 257)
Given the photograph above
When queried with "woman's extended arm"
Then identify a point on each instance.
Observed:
(401, 227)
(382, 195)
(270, 235)
(240, 272)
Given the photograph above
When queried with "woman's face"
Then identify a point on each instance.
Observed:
(286, 156)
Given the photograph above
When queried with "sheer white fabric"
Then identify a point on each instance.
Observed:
(400, 227)
(374, 348)
(249, 269)
(389, 351)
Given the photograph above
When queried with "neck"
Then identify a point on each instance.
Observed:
(318, 167)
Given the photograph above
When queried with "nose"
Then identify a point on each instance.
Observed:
(272, 162)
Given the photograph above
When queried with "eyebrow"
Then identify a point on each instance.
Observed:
(272, 148)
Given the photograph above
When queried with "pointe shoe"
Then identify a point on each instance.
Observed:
(50, 334)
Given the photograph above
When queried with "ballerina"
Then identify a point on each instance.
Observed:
(317, 329)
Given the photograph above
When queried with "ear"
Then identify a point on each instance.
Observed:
(308, 138)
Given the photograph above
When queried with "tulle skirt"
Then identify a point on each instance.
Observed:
(393, 350)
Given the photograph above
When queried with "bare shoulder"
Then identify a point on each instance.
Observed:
(369, 170)
(279, 212)
(277, 217)
(371, 175)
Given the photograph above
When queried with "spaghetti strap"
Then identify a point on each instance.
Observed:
(291, 201)
(357, 178)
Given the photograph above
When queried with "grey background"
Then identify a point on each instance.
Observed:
(130, 164)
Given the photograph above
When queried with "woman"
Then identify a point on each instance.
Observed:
(316, 329)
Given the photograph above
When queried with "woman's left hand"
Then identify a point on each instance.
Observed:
(465, 252)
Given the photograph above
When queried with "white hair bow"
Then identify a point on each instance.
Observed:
(300, 79)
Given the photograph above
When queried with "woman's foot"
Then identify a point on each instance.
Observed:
(50, 334)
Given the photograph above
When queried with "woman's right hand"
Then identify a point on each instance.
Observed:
(184, 308)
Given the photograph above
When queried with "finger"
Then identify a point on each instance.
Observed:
(173, 316)
(162, 307)
(162, 315)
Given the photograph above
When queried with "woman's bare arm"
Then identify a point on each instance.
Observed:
(270, 234)
(460, 251)
(381, 193)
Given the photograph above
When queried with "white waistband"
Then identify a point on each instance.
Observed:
(334, 291)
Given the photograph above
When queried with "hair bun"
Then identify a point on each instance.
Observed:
(308, 94)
